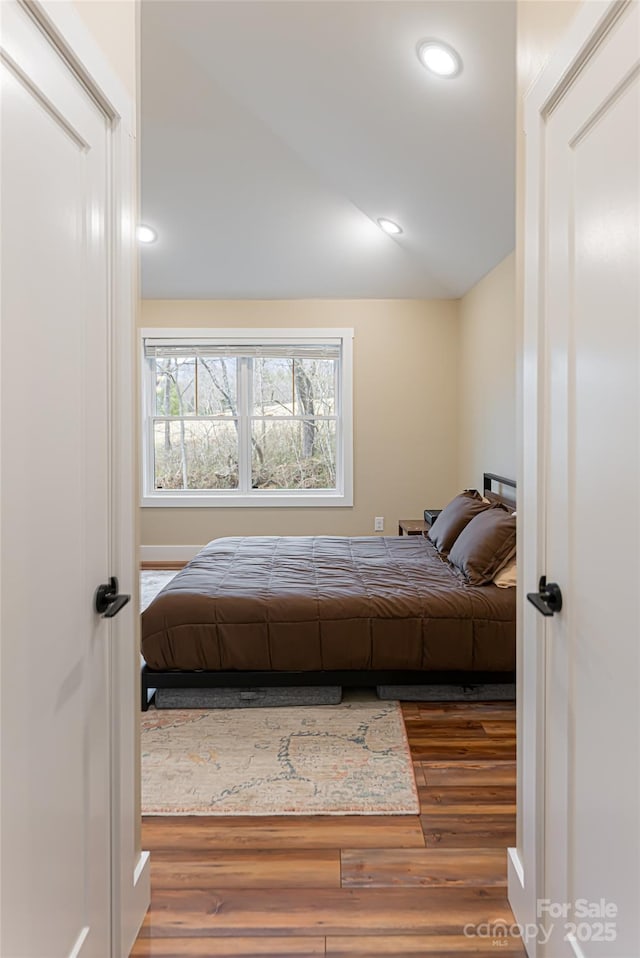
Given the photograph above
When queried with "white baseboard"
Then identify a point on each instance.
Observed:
(168, 553)
(136, 903)
(513, 859)
(77, 948)
(575, 947)
(518, 898)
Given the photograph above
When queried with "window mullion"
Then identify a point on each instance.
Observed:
(244, 428)
(339, 425)
(149, 456)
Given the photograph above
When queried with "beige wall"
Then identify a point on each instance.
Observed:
(491, 312)
(114, 25)
(405, 414)
(487, 368)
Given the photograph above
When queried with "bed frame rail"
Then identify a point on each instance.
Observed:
(152, 679)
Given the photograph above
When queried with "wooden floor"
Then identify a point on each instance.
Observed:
(356, 886)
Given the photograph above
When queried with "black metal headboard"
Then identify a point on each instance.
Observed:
(499, 489)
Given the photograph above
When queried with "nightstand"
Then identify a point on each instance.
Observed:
(430, 516)
(412, 527)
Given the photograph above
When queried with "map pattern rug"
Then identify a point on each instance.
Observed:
(348, 759)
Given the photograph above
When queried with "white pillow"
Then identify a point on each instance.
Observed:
(506, 578)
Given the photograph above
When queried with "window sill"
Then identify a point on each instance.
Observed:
(263, 501)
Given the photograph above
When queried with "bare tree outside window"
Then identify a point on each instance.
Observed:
(294, 443)
(286, 416)
(192, 449)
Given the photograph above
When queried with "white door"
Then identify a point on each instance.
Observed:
(55, 504)
(589, 336)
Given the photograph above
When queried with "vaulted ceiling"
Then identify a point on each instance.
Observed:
(274, 134)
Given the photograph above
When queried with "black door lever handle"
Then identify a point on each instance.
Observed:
(114, 607)
(107, 601)
(548, 599)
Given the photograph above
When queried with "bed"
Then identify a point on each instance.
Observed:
(321, 610)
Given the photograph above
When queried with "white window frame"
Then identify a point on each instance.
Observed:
(261, 498)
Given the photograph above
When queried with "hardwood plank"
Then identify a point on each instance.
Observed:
(436, 749)
(486, 711)
(299, 911)
(471, 773)
(498, 728)
(425, 732)
(417, 946)
(197, 833)
(162, 564)
(491, 711)
(421, 721)
(488, 800)
(291, 947)
(433, 867)
(477, 831)
(409, 708)
(246, 868)
(458, 708)
(419, 774)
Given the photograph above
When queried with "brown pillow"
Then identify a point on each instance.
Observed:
(454, 517)
(485, 545)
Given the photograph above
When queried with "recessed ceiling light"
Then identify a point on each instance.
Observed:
(144, 234)
(439, 58)
(389, 227)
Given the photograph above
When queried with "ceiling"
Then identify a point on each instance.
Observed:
(274, 134)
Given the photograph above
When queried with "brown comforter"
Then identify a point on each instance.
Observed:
(318, 603)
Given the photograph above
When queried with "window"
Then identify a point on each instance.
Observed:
(247, 417)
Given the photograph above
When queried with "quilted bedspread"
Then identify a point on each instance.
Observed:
(325, 603)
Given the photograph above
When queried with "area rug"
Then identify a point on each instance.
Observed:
(151, 582)
(349, 759)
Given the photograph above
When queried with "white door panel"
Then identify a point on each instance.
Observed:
(594, 510)
(590, 328)
(55, 505)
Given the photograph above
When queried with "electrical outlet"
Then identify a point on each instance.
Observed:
(378, 524)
